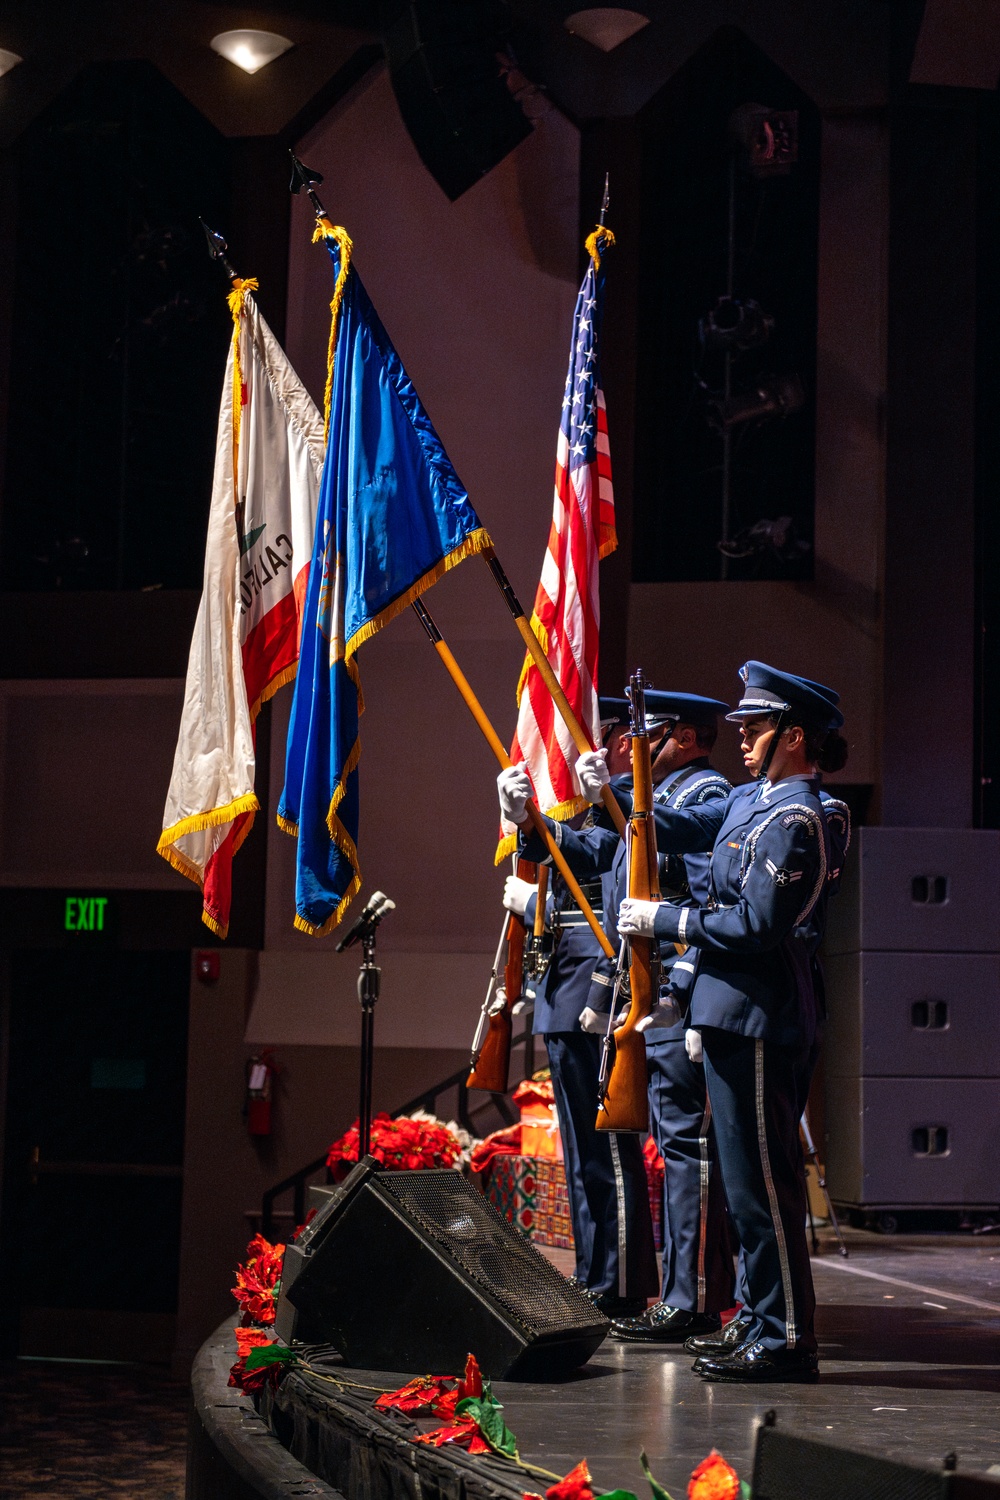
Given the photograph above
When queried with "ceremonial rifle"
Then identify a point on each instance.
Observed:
(491, 1045)
(623, 1102)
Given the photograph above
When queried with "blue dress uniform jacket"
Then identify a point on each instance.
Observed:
(697, 1258)
(758, 1007)
(758, 932)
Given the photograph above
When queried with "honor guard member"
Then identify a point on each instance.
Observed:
(755, 1001)
(697, 1283)
(605, 1177)
(697, 1261)
(838, 827)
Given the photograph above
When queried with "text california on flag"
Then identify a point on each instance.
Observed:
(567, 613)
(268, 461)
(393, 518)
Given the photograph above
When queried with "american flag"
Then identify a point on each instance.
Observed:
(567, 613)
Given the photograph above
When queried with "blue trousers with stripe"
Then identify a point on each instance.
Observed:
(755, 1088)
(697, 1252)
(605, 1177)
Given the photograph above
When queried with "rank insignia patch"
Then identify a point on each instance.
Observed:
(781, 876)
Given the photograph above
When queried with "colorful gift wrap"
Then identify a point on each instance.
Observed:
(530, 1192)
(654, 1186)
(539, 1122)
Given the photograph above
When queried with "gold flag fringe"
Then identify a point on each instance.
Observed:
(228, 814)
(597, 242)
(326, 231)
(561, 813)
(236, 299)
(542, 636)
(477, 541)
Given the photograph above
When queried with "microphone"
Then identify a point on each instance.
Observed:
(378, 907)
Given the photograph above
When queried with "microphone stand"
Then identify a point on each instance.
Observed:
(369, 986)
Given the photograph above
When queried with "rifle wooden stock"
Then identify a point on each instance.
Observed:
(626, 1103)
(491, 1069)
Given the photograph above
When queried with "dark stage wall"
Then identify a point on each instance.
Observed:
(478, 296)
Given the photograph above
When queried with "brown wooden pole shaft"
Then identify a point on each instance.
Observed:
(562, 703)
(477, 711)
(543, 886)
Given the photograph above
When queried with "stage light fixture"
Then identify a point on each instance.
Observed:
(605, 26)
(778, 538)
(250, 50)
(779, 397)
(732, 325)
(768, 138)
(8, 60)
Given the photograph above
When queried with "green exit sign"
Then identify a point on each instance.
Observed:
(85, 913)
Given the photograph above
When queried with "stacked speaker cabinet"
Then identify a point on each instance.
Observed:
(913, 1038)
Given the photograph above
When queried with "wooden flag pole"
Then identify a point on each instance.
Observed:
(534, 647)
(477, 711)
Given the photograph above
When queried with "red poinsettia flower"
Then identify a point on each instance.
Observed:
(463, 1432)
(413, 1144)
(576, 1485)
(471, 1384)
(714, 1479)
(239, 1376)
(417, 1394)
(258, 1279)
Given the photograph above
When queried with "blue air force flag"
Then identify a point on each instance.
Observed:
(393, 517)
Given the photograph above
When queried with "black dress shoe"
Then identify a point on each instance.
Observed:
(727, 1338)
(613, 1306)
(663, 1324)
(754, 1364)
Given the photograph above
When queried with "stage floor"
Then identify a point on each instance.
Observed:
(909, 1333)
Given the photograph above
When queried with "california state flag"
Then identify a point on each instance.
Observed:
(268, 461)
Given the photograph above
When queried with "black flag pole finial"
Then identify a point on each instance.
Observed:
(605, 200)
(304, 179)
(217, 248)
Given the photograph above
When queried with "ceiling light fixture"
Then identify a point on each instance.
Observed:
(8, 60)
(605, 26)
(250, 50)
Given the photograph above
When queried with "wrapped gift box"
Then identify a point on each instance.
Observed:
(539, 1122)
(654, 1186)
(530, 1192)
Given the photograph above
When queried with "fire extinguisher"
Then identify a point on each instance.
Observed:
(260, 1071)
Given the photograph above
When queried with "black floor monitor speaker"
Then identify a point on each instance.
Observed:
(786, 1467)
(412, 1271)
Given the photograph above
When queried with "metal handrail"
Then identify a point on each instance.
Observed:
(427, 1099)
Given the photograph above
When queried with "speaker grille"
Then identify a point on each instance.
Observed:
(794, 1468)
(471, 1230)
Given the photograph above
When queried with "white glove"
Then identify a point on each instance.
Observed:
(517, 893)
(525, 1006)
(514, 787)
(597, 1020)
(665, 1014)
(636, 918)
(692, 1045)
(499, 1001)
(592, 773)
